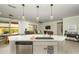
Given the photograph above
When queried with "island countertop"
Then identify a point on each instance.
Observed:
(33, 36)
(37, 43)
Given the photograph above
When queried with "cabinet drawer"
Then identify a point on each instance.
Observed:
(45, 43)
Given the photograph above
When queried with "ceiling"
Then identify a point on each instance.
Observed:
(59, 11)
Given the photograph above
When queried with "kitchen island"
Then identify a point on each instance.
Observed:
(39, 46)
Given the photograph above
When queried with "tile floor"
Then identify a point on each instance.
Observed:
(5, 49)
(69, 47)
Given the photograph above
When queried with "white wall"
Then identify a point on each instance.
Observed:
(53, 25)
(70, 21)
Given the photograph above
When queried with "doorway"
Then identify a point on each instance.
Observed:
(60, 28)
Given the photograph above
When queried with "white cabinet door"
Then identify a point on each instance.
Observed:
(44, 47)
(40, 49)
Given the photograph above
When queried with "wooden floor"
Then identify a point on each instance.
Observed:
(69, 47)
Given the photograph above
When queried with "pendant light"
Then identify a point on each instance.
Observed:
(23, 11)
(51, 16)
(37, 17)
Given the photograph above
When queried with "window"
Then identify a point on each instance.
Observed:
(6, 28)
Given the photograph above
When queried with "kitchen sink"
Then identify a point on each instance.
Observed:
(44, 38)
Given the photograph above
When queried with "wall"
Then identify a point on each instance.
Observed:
(53, 25)
(70, 21)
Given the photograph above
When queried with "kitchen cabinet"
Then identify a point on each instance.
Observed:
(39, 49)
(44, 47)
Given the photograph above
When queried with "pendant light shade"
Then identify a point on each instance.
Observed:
(51, 16)
(37, 17)
(23, 17)
(23, 11)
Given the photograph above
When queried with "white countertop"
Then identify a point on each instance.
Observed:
(32, 37)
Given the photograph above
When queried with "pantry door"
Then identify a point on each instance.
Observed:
(60, 28)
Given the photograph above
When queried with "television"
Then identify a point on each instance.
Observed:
(48, 27)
